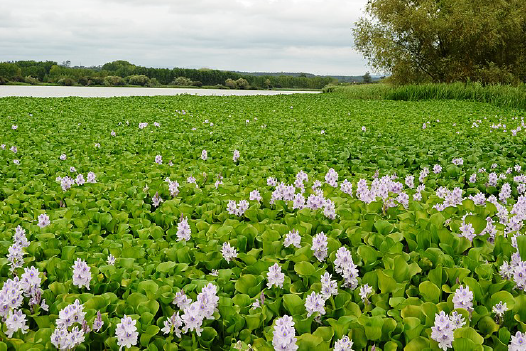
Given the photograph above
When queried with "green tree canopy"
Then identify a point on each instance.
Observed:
(445, 40)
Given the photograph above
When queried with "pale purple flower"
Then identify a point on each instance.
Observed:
(80, 179)
(204, 155)
(236, 156)
(156, 199)
(81, 274)
(16, 320)
(284, 334)
(16, 161)
(111, 260)
(275, 277)
(463, 298)
(517, 342)
(437, 168)
(43, 220)
(343, 344)
(228, 252)
(292, 238)
(159, 159)
(14, 127)
(91, 178)
(499, 309)
(315, 303)
(319, 246)
(255, 196)
(63, 157)
(183, 230)
(113, 133)
(365, 291)
(97, 323)
(126, 332)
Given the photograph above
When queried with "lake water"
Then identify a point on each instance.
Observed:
(60, 91)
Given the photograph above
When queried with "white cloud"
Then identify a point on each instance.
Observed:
(254, 35)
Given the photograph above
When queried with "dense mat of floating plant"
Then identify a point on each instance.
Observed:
(277, 222)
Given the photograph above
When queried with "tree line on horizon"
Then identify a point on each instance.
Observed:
(118, 73)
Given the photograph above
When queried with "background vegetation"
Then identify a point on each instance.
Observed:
(118, 73)
(445, 41)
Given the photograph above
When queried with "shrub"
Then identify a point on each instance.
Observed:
(242, 83)
(231, 83)
(182, 81)
(197, 83)
(31, 80)
(114, 81)
(153, 82)
(66, 81)
(141, 80)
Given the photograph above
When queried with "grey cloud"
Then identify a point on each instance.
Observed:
(276, 35)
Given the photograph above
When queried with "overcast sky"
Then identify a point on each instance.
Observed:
(246, 35)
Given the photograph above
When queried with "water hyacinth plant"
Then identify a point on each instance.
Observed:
(375, 234)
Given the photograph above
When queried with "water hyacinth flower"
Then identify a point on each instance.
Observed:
(110, 260)
(410, 181)
(284, 334)
(192, 180)
(458, 161)
(97, 323)
(517, 342)
(437, 169)
(159, 159)
(113, 133)
(271, 181)
(463, 298)
(292, 238)
(156, 199)
(345, 266)
(43, 220)
(228, 252)
(499, 309)
(203, 308)
(364, 129)
(16, 320)
(346, 187)
(15, 257)
(315, 303)
(255, 196)
(14, 127)
(81, 274)
(16, 161)
(173, 324)
(443, 329)
(80, 179)
(275, 277)
(181, 300)
(20, 237)
(173, 187)
(329, 287)
(343, 344)
(236, 156)
(126, 332)
(14, 149)
(319, 246)
(91, 178)
(365, 291)
(183, 230)
(204, 155)
(331, 178)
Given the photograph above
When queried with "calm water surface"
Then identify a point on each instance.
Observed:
(59, 91)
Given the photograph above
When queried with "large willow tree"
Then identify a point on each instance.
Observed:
(445, 40)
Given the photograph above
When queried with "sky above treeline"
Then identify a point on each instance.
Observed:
(311, 36)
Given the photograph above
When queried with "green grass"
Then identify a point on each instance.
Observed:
(498, 95)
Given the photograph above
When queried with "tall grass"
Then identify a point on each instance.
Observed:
(499, 95)
(360, 91)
